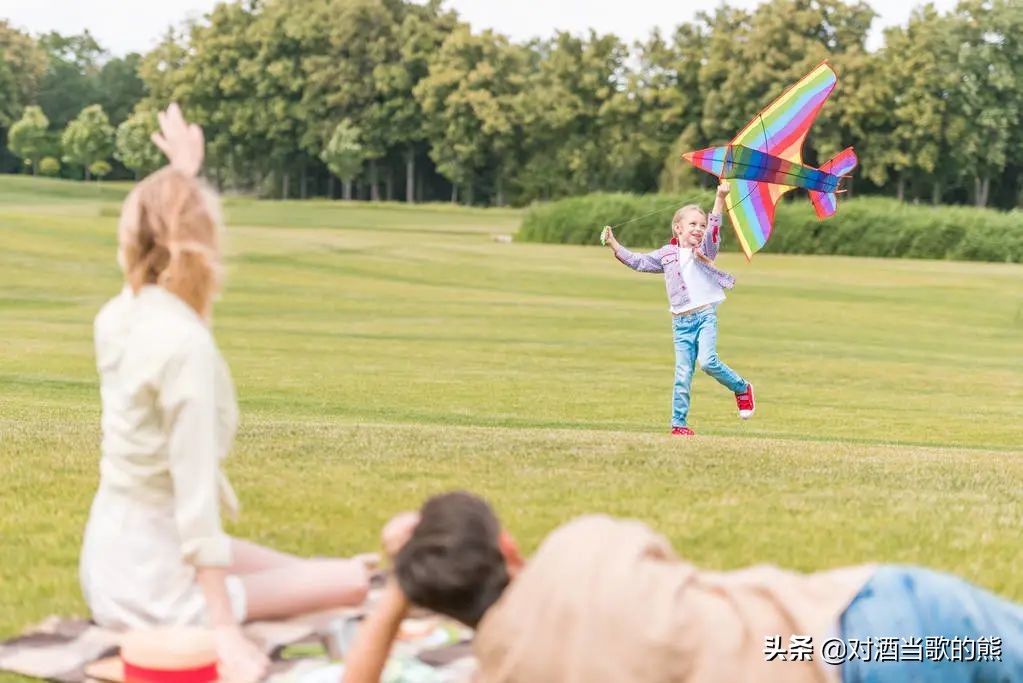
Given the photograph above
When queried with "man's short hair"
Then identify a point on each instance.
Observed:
(453, 564)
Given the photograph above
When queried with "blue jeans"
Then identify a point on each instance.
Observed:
(696, 339)
(913, 603)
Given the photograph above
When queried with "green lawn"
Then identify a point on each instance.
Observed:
(383, 353)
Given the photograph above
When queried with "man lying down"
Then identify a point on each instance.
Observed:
(608, 601)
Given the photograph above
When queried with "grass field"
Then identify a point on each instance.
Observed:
(383, 353)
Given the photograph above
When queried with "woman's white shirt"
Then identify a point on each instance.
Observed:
(169, 415)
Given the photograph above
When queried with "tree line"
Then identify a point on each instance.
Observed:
(392, 99)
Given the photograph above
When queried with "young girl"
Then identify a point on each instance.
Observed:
(695, 288)
(155, 552)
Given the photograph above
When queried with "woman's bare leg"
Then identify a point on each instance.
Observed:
(304, 586)
(248, 558)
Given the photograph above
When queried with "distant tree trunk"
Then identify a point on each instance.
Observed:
(347, 189)
(87, 176)
(330, 186)
(937, 193)
(500, 191)
(454, 193)
(410, 175)
(900, 189)
(374, 189)
(982, 187)
(284, 184)
(304, 188)
(420, 183)
(389, 184)
(469, 194)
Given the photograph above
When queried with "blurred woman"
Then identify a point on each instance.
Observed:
(155, 552)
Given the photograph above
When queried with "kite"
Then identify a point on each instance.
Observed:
(765, 160)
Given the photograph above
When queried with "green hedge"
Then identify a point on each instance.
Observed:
(870, 226)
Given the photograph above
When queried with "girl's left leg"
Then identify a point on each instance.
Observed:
(707, 354)
(684, 336)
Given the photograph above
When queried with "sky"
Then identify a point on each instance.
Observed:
(123, 26)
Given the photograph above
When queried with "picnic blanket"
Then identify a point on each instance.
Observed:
(308, 649)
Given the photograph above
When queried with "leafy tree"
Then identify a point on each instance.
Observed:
(214, 75)
(344, 154)
(119, 87)
(420, 33)
(989, 98)
(28, 137)
(70, 83)
(22, 65)
(676, 174)
(100, 169)
(353, 66)
(133, 144)
(88, 139)
(469, 99)
(919, 81)
(162, 70)
(49, 166)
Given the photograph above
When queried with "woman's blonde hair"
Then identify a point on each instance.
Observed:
(169, 235)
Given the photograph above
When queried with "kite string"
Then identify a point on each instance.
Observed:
(673, 205)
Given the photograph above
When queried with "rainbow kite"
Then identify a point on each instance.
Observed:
(765, 160)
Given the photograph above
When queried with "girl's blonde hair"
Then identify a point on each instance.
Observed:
(169, 235)
(677, 218)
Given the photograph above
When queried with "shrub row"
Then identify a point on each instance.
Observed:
(868, 226)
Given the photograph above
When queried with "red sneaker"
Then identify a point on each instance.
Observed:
(745, 402)
(682, 431)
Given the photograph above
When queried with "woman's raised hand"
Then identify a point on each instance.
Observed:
(181, 141)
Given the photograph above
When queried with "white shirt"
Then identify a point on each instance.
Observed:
(169, 415)
(702, 288)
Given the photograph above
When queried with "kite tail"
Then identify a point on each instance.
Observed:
(826, 203)
(842, 163)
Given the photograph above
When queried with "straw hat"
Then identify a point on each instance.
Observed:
(164, 655)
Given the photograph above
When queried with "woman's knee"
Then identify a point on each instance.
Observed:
(351, 581)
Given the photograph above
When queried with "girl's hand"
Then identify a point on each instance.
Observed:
(240, 660)
(608, 236)
(723, 189)
(181, 141)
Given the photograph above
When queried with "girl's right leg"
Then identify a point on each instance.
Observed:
(684, 335)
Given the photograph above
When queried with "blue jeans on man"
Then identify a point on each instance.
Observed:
(948, 630)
